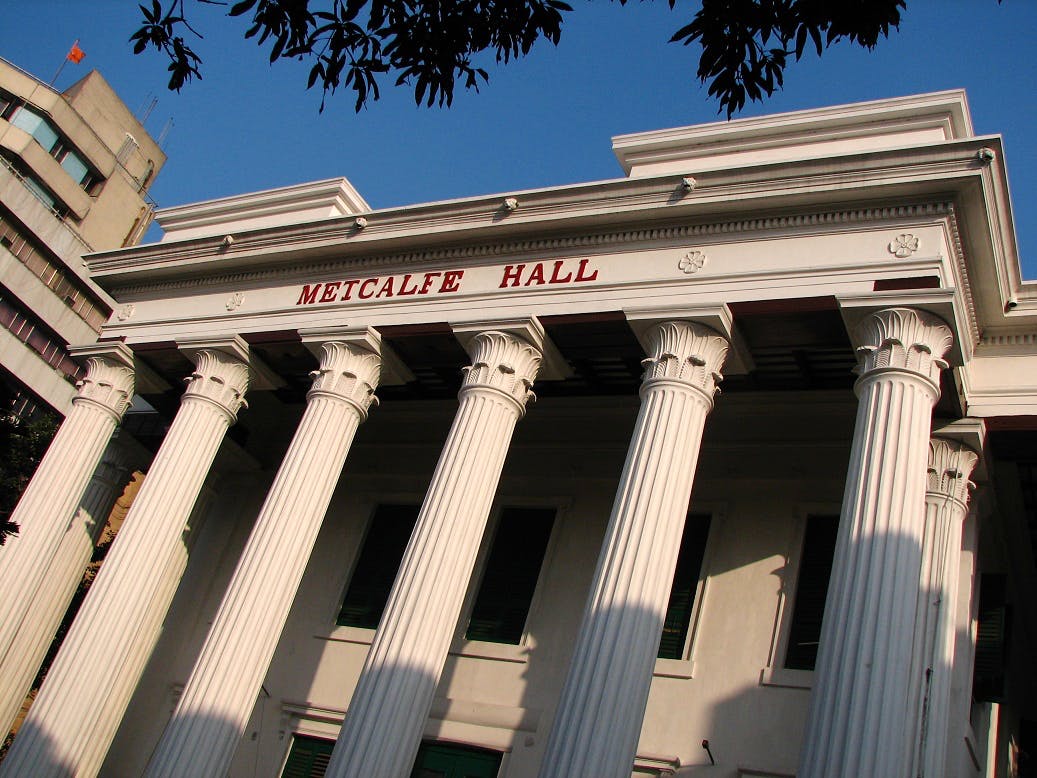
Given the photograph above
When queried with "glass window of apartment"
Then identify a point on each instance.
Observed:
(815, 569)
(75, 167)
(38, 127)
(376, 566)
(510, 575)
(685, 586)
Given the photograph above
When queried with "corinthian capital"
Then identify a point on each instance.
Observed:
(950, 465)
(503, 362)
(348, 372)
(219, 378)
(108, 383)
(904, 339)
(685, 352)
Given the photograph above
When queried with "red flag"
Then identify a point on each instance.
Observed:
(75, 54)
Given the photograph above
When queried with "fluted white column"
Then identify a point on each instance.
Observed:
(598, 722)
(386, 715)
(49, 502)
(946, 504)
(213, 710)
(48, 604)
(862, 721)
(76, 714)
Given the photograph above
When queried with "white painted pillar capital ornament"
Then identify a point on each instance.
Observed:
(602, 704)
(863, 717)
(49, 502)
(386, 715)
(904, 341)
(77, 712)
(946, 504)
(213, 711)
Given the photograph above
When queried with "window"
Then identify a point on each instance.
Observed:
(376, 566)
(308, 757)
(511, 573)
(38, 127)
(815, 569)
(440, 760)
(685, 585)
(992, 638)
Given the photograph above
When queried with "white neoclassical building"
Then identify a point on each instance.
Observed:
(723, 468)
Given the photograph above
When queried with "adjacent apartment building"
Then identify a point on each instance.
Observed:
(75, 167)
(726, 467)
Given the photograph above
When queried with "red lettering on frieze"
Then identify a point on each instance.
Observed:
(308, 295)
(330, 291)
(404, 291)
(363, 294)
(555, 279)
(512, 276)
(452, 281)
(581, 270)
(427, 285)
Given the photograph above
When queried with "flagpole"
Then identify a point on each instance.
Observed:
(62, 65)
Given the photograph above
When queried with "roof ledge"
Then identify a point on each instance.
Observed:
(822, 132)
(294, 204)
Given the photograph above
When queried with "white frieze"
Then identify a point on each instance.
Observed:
(126, 312)
(220, 379)
(347, 372)
(950, 465)
(904, 245)
(904, 339)
(235, 300)
(108, 383)
(503, 362)
(686, 352)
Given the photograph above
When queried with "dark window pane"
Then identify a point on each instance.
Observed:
(512, 570)
(815, 568)
(375, 570)
(988, 679)
(685, 583)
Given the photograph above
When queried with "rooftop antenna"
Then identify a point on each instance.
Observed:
(146, 112)
(165, 131)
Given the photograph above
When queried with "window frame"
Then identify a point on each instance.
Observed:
(684, 667)
(775, 673)
(508, 652)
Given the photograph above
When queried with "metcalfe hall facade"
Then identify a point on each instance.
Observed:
(726, 467)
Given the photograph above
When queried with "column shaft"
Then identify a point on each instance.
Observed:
(862, 719)
(48, 604)
(387, 712)
(74, 718)
(213, 710)
(46, 509)
(599, 716)
(946, 503)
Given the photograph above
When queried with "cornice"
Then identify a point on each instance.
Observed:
(924, 173)
(599, 240)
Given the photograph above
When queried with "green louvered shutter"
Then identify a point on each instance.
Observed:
(815, 570)
(308, 757)
(376, 568)
(685, 583)
(445, 760)
(510, 577)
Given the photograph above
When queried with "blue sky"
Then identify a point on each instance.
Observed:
(544, 121)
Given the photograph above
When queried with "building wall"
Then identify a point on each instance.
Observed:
(50, 220)
(756, 480)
